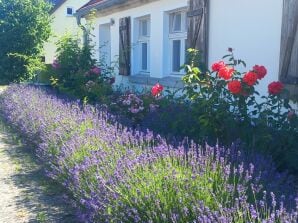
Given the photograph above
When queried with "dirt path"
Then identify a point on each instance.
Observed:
(26, 195)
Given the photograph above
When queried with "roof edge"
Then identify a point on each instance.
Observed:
(98, 6)
(54, 9)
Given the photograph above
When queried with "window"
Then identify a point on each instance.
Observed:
(176, 55)
(69, 11)
(143, 44)
(177, 39)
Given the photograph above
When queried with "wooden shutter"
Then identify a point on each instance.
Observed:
(197, 21)
(124, 46)
(289, 46)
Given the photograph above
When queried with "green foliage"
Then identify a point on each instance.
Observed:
(265, 123)
(24, 27)
(77, 73)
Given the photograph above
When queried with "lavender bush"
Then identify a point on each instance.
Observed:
(116, 174)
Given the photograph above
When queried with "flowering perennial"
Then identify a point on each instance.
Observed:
(55, 64)
(235, 87)
(250, 78)
(226, 73)
(261, 71)
(156, 89)
(275, 88)
(217, 66)
(117, 174)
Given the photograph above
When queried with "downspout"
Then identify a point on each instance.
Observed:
(85, 32)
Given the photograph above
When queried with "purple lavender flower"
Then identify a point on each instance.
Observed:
(117, 174)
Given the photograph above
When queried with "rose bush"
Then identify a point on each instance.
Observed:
(76, 73)
(224, 105)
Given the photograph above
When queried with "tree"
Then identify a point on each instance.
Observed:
(24, 27)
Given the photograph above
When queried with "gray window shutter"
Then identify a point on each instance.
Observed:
(197, 21)
(124, 46)
(288, 73)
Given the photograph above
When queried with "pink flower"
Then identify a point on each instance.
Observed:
(55, 64)
(134, 110)
(96, 70)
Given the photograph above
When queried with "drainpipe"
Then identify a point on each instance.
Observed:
(85, 33)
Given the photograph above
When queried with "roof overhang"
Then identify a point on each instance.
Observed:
(56, 6)
(112, 5)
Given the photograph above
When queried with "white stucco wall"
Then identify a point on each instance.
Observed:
(60, 25)
(157, 11)
(252, 28)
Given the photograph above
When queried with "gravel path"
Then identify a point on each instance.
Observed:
(26, 195)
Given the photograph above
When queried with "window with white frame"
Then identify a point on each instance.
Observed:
(177, 40)
(143, 49)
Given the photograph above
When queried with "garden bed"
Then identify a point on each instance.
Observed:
(116, 174)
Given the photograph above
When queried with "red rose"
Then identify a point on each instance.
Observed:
(218, 65)
(261, 71)
(156, 89)
(235, 87)
(226, 73)
(275, 87)
(250, 78)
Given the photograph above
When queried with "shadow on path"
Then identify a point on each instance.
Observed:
(26, 195)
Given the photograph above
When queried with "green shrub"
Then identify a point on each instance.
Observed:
(24, 27)
(224, 105)
(77, 73)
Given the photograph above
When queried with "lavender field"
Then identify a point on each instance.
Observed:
(117, 174)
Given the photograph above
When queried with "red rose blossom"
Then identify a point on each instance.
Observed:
(226, 73)
(275, 87)
(235, 87)
(218, 65)
(261, 71)
(156, 89)
(250, 78)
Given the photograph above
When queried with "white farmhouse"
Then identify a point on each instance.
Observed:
(150, 36)
(63, 21)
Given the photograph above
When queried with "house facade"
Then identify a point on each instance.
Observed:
(63, 21)
(149, 37)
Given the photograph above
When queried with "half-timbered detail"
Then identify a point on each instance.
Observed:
(124, 46)
(197, 22)
(289, 46)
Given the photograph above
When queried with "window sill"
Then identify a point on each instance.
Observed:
(171, 82)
